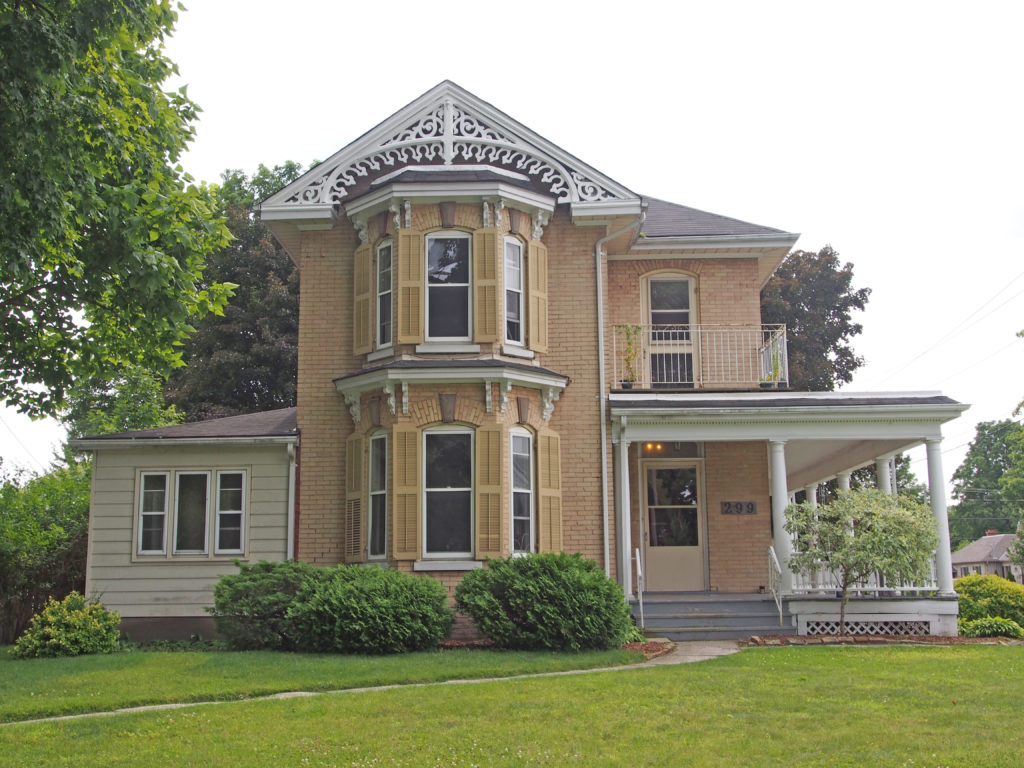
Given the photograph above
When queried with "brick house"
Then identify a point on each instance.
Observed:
(502, 350)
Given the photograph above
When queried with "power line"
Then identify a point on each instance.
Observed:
(23, 446)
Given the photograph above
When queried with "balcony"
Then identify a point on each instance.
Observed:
(699, 357)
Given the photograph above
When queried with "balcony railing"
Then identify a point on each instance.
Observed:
(700, 356)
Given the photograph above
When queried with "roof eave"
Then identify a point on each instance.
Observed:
(96, 443)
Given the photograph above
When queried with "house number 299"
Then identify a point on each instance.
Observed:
(739, 507)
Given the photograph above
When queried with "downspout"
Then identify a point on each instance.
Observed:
(290, 550)
(598, 252)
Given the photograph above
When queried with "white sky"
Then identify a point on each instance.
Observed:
(891, 130)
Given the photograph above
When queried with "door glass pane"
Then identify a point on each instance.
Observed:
(667, 486)
(449, 460)
(673, 527)
(448, 521)
(191, 525)
(670, 294)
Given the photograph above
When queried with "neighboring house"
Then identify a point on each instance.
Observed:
(502, 350)
(989, 555)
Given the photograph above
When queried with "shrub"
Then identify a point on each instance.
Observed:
(251, 607)
(70, 627)
(546, 602)
(991, 627)
(990, 596)
(370, 610)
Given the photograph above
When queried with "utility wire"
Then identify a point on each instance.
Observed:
(23, 446)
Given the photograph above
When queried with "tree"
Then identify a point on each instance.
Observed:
(813, 295)
(104, 236)
(861, 533)
(133, 400)
(978, 484)
(246, 359)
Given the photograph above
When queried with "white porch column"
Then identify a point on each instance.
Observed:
(622, 521)
(811, 491)
(780, 495)
(892, 477)
(883, 478)
(937, 494)
(844, 480)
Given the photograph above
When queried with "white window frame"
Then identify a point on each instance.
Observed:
(206, 512)
(518, 289)
(380, 294)
(448, 235)
(240, 512)
(142, 515)
(532, 490)
(471, 489)
(383, 492)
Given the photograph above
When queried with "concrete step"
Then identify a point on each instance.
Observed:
(716, 620)
(683, 634)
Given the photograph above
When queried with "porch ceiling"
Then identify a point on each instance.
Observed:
(825, 432)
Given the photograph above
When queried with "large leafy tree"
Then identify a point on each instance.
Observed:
(978, 484)
(246, 359)
(104, 236)
(132, 400)
(813, 294)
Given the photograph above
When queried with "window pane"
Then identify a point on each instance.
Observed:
(191, 525)
(448, 260)
(449, 311)
(384, 269)
(449, 460)
(154, 488)
(448, 521)
(670, 294)
(384, 311)
(521, 472)
(152, 533)
(378, 463)
(674, 527)
(230, 492)
(513, 316)
(230, 535)
(521, 535)
(377, 512)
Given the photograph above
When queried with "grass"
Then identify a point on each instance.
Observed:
(798, 706)
(34, 688)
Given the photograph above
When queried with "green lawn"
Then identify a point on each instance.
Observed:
(39, 687)
(795, 706)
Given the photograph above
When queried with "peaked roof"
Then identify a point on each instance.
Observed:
(666, 219)
(987, 549)
(268, 424)
(445, 127)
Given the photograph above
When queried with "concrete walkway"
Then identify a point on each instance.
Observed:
(683, 653)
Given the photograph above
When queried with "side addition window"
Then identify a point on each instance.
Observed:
(378, 495)
(191, 513)
(384, 295)
(448, 492)
(230, 506)
(522, 492)
(153, 513)
(513, 291)
(448, 281)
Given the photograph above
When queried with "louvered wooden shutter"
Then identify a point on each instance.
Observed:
(362, 301)
(355, 541)
(489, 442)
(549, 487)
(406, 528)
(487, 265)
(410, 287)
(537, 288)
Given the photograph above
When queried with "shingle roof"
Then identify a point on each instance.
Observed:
(666, 219)
(987, 549)
(279, 423)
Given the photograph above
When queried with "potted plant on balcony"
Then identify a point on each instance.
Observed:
(632, 338)
(774, 378)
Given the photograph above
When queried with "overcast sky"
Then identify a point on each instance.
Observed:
(891, 130)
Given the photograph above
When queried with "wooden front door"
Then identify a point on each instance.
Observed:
(673, 527)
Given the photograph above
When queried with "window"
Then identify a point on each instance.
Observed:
(230, 503)
(448, 279)
(522, 492)
(384, 295)
(153, 512)
(671, 357)
(513, 291)
(199, 516)
(378, 495)
(448, 492)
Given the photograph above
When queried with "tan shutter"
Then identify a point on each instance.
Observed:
(410, 287)
(489, 442)
(549, 487)
(406, 460)
(487, 261)
(355, 541)
(362, 301)
(537, 288)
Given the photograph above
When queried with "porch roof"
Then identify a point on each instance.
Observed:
(824, 432)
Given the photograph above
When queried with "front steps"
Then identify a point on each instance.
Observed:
(684, 616)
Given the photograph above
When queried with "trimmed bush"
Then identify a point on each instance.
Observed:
(991, 627)
(70, 627)
(370, 610)
(990, 596)
(251, 607)
(546, 602)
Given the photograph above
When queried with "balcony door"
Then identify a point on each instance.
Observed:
(674, 533)
(671, 350)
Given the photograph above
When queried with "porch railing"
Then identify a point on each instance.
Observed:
(700, 356)
(775, 580)
(640, 588)
(824, 581)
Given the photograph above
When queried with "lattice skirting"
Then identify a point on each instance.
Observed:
(870, 628)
